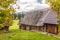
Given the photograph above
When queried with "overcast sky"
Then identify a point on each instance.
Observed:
(25, 5)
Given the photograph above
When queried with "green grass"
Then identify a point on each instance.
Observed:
(17, 34)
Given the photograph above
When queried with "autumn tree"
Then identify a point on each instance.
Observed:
(6, 13)
(55, 5)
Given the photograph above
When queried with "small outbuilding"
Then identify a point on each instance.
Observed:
(44, 20)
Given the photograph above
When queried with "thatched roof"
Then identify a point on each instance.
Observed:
(39, 17)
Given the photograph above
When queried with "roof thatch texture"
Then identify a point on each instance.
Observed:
(39, 17)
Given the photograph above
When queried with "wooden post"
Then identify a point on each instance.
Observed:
(57, 30)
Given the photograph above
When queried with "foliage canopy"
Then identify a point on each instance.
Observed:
(6, 12)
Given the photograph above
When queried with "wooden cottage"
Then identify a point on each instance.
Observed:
(44, 20)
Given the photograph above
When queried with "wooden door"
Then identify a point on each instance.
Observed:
(51, 29)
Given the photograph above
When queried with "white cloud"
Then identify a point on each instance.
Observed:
(30, 4)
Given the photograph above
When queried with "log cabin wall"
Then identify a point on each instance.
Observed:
(44, 28)
(51, 28)
(41, 28)
(33, 28)
(38, 28)
(28, 27)
(23, 27)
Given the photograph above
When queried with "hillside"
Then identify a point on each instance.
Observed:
(17, 34)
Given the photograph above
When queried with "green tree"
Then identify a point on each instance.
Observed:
(15, 16)
(6, 13)
(20, 15)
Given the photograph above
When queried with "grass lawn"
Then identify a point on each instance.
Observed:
(17, 34)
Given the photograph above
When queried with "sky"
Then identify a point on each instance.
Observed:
(26, 5)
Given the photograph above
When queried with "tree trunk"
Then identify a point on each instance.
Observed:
(6, 28)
